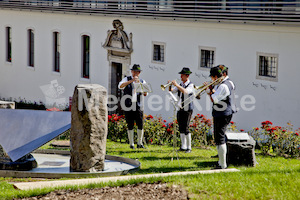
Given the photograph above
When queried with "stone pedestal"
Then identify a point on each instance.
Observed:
(241, 152)
(88, 128)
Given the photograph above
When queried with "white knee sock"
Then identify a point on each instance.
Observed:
(183, 140)
(189, 141)
(222, 151)
(130, 137)
(140, 134)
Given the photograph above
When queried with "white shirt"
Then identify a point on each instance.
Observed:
(125, 80)
(190, 90)
(134, 93)
(221, 92)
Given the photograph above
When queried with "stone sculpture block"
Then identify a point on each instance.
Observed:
(88, 128)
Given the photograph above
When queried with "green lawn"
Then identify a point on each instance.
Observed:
(272, 178)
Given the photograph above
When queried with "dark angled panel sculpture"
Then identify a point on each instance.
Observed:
(23, 131)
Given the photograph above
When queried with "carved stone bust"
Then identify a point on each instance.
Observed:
(118, 40)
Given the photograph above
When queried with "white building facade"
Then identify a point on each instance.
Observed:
(40, 50)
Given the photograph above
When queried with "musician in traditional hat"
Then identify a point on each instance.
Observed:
(184, 90)
(225, 74)
(222, 112)
(133, 110)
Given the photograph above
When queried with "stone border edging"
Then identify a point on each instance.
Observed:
(62, 183)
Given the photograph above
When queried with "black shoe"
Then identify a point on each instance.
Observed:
(188, 151)
(216, 156)
(140, 146)
(132, 146)
(182, 149)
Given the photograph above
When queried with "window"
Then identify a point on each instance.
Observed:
(8, 44)
(158, 52)
(207, 57)
(30, 48)
(56, 51)
(85, 56)
(267, 66)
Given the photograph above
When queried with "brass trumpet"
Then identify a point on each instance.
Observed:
(212, 83)
(203, 87)
(198, 87)
(163, 87)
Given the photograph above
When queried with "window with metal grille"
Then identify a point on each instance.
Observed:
(267, 66)
(85, 56)
(158, 52)
(207, 57)
(30, 48)
(56, 51)
(8, 44)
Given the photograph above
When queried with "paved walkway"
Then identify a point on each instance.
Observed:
(61, 183)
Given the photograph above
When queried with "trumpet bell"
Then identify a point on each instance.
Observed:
(162, 87)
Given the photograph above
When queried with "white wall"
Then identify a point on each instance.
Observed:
(236, 47)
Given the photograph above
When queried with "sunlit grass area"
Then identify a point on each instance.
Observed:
(157, 159)
(272, 178)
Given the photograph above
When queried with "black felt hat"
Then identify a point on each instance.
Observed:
(185, 70)
(216, 71)
(136, 67)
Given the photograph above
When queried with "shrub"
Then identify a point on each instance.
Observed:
(22, 103)
(64, 136)
(232, 127)
(158, 131)
(199, 128)
(117, 127)
(282, 141)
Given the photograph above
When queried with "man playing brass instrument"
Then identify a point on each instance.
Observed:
(225, 74)
(222, 112)
(135, 113)
(184, 90)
